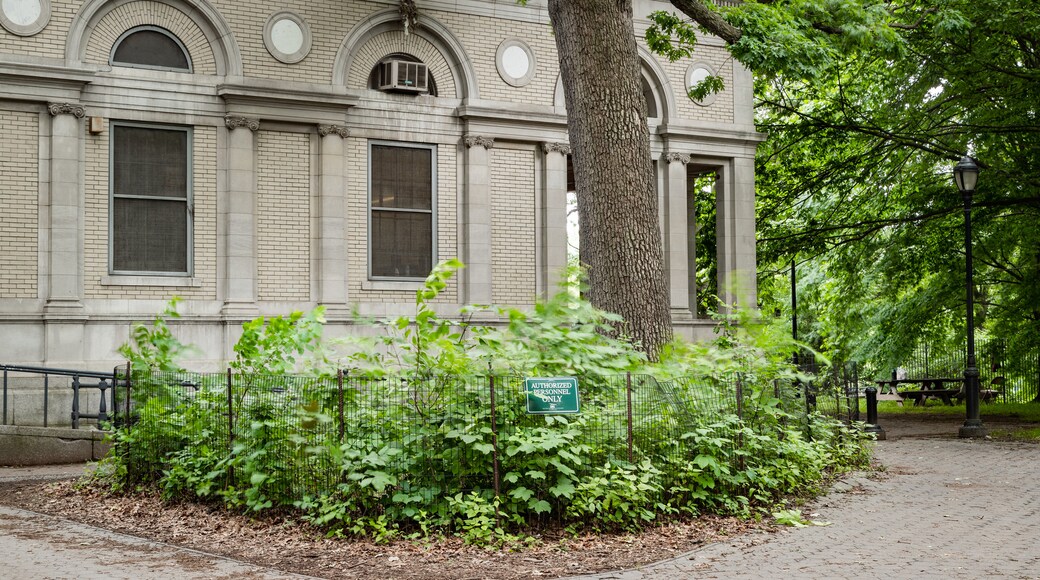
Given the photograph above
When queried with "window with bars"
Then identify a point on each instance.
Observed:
(401, 215)
(151, 200)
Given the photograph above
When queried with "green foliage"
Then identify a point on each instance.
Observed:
(418, 455)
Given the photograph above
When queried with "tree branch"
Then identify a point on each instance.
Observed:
(708, 19)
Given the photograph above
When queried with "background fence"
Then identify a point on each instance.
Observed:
(1015, 375)
(474, 425)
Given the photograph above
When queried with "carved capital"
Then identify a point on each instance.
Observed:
(66, 109)
(680, 157)
(562, 148)
(474, 140)
(326, 130)
(236, 122)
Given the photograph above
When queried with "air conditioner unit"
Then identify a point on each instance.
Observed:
(403, 76)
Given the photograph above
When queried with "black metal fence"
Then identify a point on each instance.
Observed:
(48, 380)
(475, 425)
(1015, 376)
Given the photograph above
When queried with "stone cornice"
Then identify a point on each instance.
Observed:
(66, 109)
(563, 148)
(236, 122)
(474, 140)
(326, 130)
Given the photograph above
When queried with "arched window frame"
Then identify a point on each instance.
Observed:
(160, 30)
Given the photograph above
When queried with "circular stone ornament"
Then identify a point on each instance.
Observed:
(697, 72)
(287, 37)
(515, 62)
(25, 17)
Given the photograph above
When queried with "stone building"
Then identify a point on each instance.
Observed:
(256, 157)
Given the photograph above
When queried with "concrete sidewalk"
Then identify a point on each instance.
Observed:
(945, 508)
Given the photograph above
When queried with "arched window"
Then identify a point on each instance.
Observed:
(150, 47)
(378, 77)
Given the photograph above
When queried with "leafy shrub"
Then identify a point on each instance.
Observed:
(419, 453)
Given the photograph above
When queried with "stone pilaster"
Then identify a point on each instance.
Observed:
(678, 244)
(240, 226)
(476, 225)
(64, 315)
(736, 232)
(554, 215)
(332, 223)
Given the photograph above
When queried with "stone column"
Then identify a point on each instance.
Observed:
(736, 232)
(677, 245)
(63, 313)
(332, 223)
(477, 221)
(240, 261)
(65, 263)
(554, 216)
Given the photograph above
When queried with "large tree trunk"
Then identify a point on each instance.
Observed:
(610, 144)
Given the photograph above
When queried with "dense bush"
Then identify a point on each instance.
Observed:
(417, 452)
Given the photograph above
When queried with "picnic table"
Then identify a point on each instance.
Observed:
(920, 390)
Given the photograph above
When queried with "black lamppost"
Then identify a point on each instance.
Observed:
(966, 175)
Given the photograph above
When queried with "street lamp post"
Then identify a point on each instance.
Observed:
(966, 175)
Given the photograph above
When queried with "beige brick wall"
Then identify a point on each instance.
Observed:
(283, 228)
(512, 226)
(204, 194)
(329, 22)
(481, 35)
(721, 109)
(357, 223)
(19, 192)
(49, 42)
(133, 14)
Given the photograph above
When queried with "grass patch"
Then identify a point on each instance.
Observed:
(1027, 412)
(1031, 435)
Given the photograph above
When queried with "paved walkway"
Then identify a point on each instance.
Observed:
(947, 508)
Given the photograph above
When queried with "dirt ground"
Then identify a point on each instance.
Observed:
(288, 545)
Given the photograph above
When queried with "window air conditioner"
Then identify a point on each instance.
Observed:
(403, 76)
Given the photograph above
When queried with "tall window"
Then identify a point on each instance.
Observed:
(151, 200)
(401, 200)
(150, 47)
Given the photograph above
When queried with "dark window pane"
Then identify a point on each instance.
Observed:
(151, 162)
(402, 177)
(149, 235)
(402, 244)
(151, 48)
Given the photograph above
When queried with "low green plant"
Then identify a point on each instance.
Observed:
(419, 452)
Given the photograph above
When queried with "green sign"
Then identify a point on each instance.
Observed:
(554, 396)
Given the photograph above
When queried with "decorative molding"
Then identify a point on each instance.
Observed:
(683, 158)
(236, 122)
(474, 140)
(326, 130)
(66, 109)
(562, 148)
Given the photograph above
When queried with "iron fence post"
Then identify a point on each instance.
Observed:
(75, 399)
(339, 384)
(494, 436)
(46, 397)
(230, 427)
(628, 394)
(872, 420)
(5, 395)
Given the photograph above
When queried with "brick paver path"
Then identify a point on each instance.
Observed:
(946, 508)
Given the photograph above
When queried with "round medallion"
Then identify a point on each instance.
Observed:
(697, 72)
(515, 62)
(287, 37)
(24, 17)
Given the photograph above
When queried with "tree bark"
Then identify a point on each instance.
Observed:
(615, 185)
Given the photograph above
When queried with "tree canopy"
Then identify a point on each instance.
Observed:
(868, 105)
